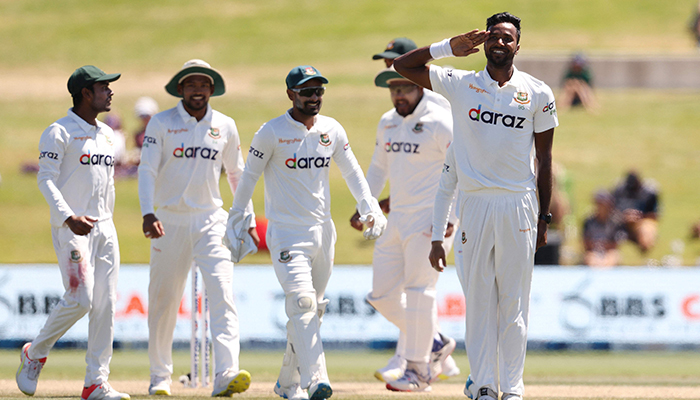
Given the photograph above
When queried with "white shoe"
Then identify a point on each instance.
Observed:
(469, 388)
(486, 393)
(320, 391)
(394, 369)
(27, 375)
(449, 368)
(160, 386)
(226, 385)
(295, 392)
(409, 382)
(438, 356)
(103, 391)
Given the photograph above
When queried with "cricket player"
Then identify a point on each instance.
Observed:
(501, 161)
(183, 152)
(411, 143)
(397, 365)
(76, 176)
(295, 151)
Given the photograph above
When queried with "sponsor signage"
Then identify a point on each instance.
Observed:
(570, 304)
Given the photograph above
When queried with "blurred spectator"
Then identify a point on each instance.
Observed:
(695, 230)
(695, 26)
(113, 121)
(559, 207)
(601, 233)
(144, 109)
(638, 203)
(577, 86)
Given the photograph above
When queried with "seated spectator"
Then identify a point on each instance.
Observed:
(550, 253)
(638, 204)
(577, 86)
(601, 233)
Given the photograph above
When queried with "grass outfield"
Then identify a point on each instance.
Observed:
(255, 44)
(546, 374)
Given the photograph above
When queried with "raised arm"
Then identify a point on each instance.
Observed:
(413, 65)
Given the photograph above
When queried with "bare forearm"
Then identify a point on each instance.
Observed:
(413, 66)
(544, 182)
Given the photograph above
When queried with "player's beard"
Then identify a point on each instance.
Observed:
(195, 105)
(304, 108)
(500, 61)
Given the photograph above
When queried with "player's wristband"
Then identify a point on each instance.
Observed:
(441, 49)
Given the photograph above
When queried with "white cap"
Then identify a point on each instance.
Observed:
(145, 106)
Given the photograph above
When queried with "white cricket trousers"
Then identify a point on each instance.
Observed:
(89, 268)
(191, 238)
(403, 283)
(498, 253)
(303, 261)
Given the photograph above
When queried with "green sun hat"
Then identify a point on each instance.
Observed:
(196, 67)
(385, 76)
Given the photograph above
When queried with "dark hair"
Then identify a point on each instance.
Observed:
(78, 97)
(500, 18)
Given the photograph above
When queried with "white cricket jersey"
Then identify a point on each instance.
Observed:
(436, 98)
(409, 152)
(76, 169)
(181, 161)
(296, 162)
(494, 126)
(444, 202)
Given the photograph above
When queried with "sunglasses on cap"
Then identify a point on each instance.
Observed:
(310, 91)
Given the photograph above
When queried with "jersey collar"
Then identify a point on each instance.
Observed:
(489, 82)
(186, 116)
(82, 123)
(297, 124)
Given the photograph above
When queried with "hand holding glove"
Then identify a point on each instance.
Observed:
(237, 238)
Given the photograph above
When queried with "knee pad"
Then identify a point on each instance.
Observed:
(301, 305)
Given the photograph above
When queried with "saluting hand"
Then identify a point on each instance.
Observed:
(466, 43)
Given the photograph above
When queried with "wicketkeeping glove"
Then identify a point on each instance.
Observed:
(372, 216)
(237, 238)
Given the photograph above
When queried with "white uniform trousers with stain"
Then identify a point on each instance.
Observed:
(403, 284)
(498, 250)
(90, 269)
(303, 261)
(191, 238)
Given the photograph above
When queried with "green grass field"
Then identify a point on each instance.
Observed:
(255, 44)
(590, 371)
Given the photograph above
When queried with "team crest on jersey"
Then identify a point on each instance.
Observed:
(214, 133)
(325, 140)
(75, 256)
(464, 237)
(285, 257)
(522, 97)
(418, 128)
(109, 140)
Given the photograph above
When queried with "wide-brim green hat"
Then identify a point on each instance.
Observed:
(196, 67)
(385, 76)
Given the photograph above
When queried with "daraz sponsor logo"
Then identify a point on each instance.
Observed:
(97, 159)
(492, 118)
(307, 162)
(401, 147)
(194, 152)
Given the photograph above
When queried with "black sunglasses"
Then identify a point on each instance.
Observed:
(310, 91)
